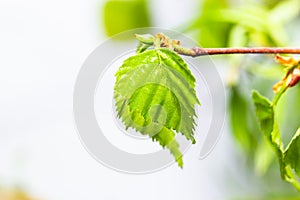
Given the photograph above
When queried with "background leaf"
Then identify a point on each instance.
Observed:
(209, 32)
(239, 120)
(122, 15)
(292, 153)
(288, 159)
(266, 116)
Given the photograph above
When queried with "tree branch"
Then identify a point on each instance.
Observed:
(197, 51)
(161, 40)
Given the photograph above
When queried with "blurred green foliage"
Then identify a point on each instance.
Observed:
(122, 15)
(250, 23)
(288, 157)
(229, 23)
(209, 31)
(253, 23)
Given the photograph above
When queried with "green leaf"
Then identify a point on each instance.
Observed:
(145, 38)
(142, 47)
(265, 114)
(292, 153)
(289, 158)
(257, 150)
(145, 41)
(154, 94)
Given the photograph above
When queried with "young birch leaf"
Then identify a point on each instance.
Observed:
(142, 47)
(145, 41)
(154, 94)
(265, 113)
(292, 153)
(247, 133)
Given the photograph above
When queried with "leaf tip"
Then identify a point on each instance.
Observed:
(145, 38)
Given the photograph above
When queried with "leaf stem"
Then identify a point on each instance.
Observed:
(197, 51)
(279, 94)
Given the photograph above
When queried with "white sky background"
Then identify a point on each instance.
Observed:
(42, 46)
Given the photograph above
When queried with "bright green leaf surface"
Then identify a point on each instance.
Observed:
(292, 153)
(155, 95)
(288, 159)
(266, 117)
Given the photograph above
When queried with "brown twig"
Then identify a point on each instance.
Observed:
(161, 40)
(197, 51)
